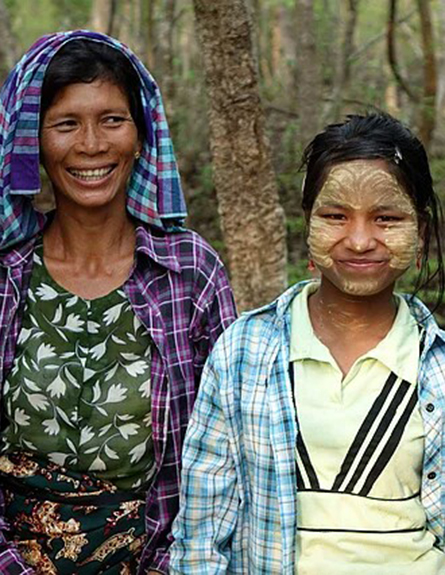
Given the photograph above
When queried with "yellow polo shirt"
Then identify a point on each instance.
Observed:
(359, 455)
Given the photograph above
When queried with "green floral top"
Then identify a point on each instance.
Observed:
(79, 389)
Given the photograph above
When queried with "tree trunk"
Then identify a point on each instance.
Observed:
(343, 64)
(164, 53)
(308, 73)
(9, 52)
(102, 16)
(252, 219)
(428, 111)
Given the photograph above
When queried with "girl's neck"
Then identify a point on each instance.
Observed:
(348, 316)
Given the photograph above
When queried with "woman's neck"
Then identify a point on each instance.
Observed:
(89, 236)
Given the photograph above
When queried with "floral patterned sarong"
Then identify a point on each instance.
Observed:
(67, 523)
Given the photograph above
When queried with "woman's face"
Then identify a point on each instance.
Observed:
(363, 228)
(88, 142)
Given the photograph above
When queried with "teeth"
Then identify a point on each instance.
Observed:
(91, 174)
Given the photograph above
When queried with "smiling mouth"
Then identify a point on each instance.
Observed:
(91, 175)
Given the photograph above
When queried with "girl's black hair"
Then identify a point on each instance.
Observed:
(84, 61)
(380, 136)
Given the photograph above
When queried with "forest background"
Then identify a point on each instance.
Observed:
(246, 84)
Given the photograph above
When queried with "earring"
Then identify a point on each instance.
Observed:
(311, 266)
(419, 262)
(137, 155)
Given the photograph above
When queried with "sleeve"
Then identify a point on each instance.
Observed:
(11, 562)
(209, 506)
(216, 311)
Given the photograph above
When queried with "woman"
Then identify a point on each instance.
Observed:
(109, 309)
(316, 445)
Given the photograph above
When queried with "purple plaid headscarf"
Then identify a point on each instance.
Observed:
(154, 190)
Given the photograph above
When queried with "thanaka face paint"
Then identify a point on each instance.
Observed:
(363, 228)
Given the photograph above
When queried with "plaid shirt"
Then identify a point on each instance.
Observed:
(239, 500)
(179, 291)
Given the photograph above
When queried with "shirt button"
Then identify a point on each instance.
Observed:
(432, 475)
(430, 407)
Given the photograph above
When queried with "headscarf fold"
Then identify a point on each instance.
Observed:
(154, 192)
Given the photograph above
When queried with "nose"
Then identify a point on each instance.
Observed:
(91, 140)
(360, 236)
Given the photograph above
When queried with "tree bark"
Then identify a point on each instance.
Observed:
(252, 219)
(103, 15)
(164, 53)
(308, 74)
(428, 107)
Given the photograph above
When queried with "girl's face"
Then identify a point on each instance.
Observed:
(363, 228)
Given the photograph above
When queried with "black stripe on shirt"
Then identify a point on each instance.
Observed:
(391, 445)
(363, 432)
(379, 433)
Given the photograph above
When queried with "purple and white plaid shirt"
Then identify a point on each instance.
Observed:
(180, 292)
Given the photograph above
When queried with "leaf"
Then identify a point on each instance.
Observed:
(131, 337)
(96, 392)
(110, 452)
(124, 416)
(67, 355)
(130, 356)
(111, 372)
(103, 430)
(29, 445)
(70, 377)
(72, 301)
(101, 410)
(64, 416)
(58, 315)
(117, 340)
(30, 385)
(71, 445)
(91, 450)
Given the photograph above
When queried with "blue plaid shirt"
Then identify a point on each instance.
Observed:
(239, 500)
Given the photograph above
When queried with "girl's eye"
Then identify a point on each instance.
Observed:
(335, 217)
(386, 219)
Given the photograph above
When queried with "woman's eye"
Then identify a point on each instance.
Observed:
(65, 125)
(115, 120)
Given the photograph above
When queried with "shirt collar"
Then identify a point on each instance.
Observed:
(157, 247)
(152, 244)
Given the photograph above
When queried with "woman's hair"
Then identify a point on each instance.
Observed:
(84, 61)
(379, 136)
